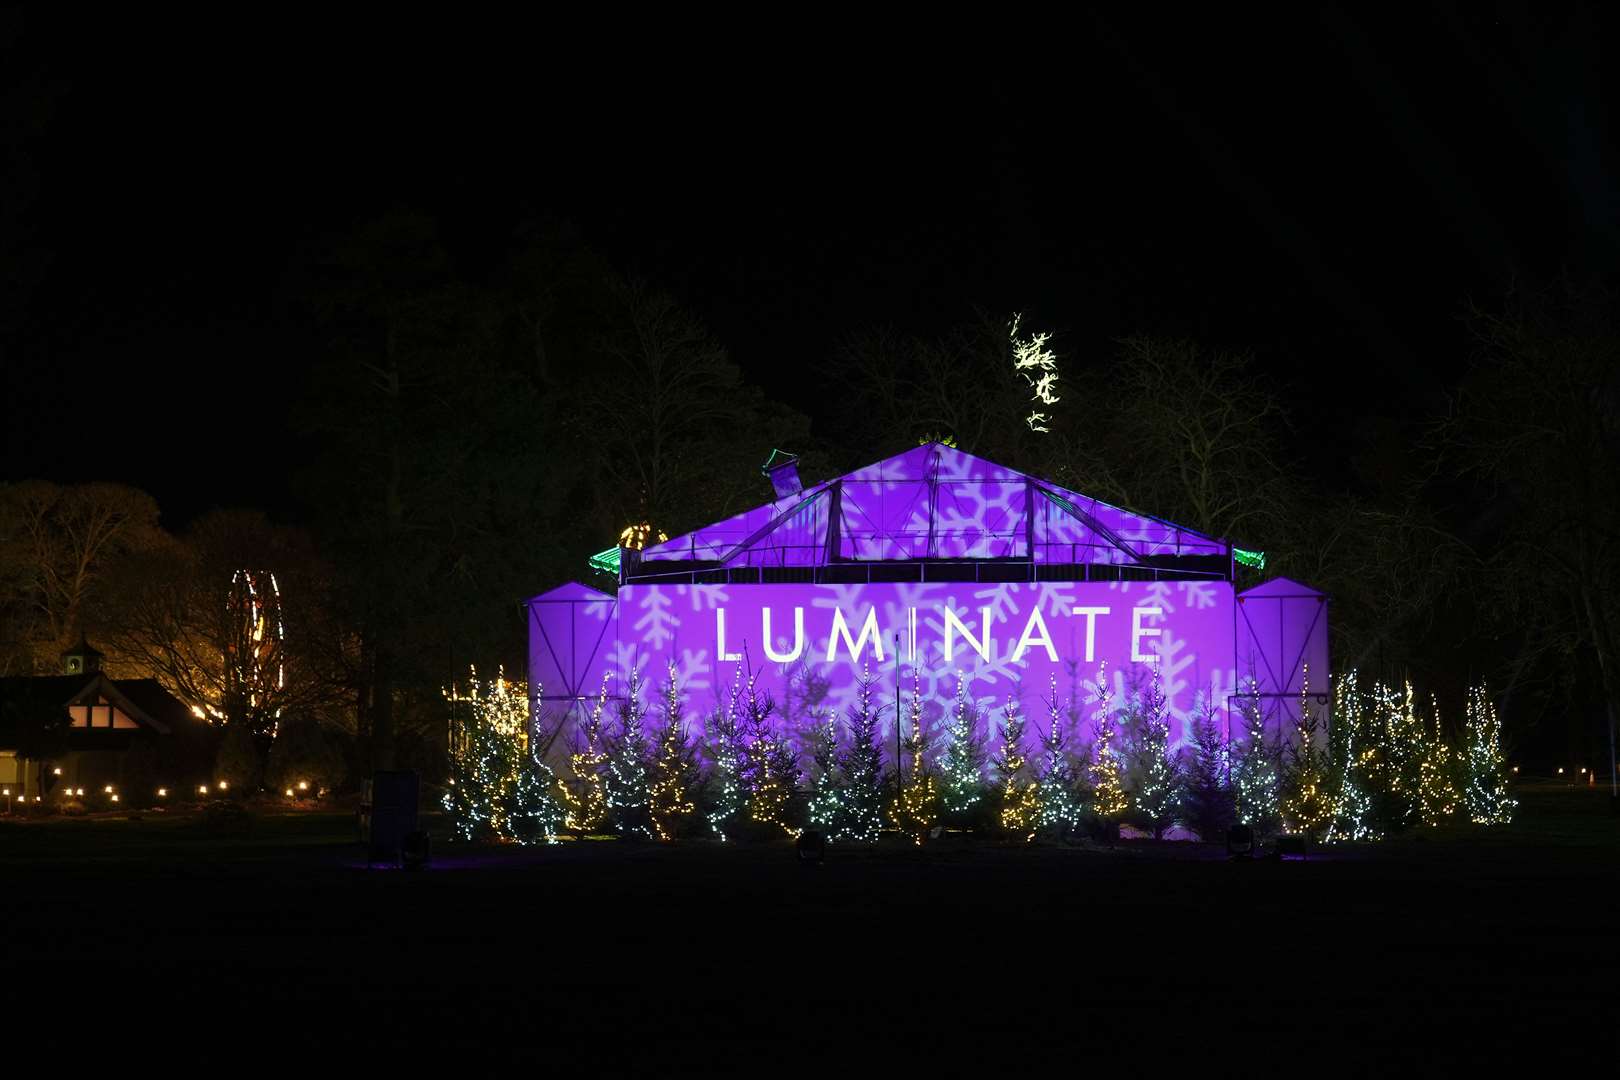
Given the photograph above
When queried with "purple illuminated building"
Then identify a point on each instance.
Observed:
(920, 566)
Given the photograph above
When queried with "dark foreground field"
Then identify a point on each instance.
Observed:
(155, 942)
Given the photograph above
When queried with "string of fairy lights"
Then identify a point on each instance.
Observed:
(1383, 765)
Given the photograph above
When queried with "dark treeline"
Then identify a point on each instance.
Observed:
(472, 429)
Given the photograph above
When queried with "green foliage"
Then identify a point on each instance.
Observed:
(1207, 805)
(826, 810)
(1157, 795)
(499, 788)
(1485, 785)
(862, 768)
(1018, 797)
(1060, 807)
(629, 762)
(674, 776)
(961, 767)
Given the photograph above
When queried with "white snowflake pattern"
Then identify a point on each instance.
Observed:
(1002, 601)
(657, 625)
(1197, 595)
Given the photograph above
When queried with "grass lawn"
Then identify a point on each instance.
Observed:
(276, 944)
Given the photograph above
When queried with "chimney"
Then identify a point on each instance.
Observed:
(783, 470)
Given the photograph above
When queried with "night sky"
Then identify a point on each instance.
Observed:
(1326, 188)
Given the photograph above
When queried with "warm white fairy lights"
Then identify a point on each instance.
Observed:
(961, 767)
(1038, 365)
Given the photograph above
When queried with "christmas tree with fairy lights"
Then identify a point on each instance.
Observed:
(961, 780)
(674, 769)
(862, 766)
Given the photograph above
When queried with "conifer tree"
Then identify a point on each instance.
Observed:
(1158, 789)
(1485, 787)
(915, 809)
(627, 782)
(961, 781)
(1256, 770)
(1353, 753)
(500, 789)
(484, 761)
(674, 770)
(1308, 801)
(1437, 793)
(1108, 799)
(1059, 807)
(826, 810)
(586, 797)
(770, 768)
(1207, 806)
(1020, 802)
(730, 797)
(862, 766)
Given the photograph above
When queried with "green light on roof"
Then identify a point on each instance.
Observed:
(1256, 559)
(606, 561)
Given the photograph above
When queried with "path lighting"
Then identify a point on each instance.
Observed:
(202, 789)
(163, 793)
(107, 790)
(115, 798)
(223, 785)
(81, 791)
(57, 771)
(289, 793)
(303, 785)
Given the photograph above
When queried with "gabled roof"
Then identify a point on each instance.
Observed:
(40, 699)
(1279, 587)
(571, 593)
(935, 502)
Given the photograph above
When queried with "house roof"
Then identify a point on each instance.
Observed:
(934, 502)
(37, 700)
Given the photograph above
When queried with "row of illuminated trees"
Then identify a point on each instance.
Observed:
(1384, 765)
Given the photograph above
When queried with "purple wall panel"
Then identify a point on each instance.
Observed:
(706, 630)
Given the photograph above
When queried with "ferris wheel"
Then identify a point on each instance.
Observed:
(255, 671)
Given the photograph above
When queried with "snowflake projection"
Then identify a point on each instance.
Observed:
(628, 656)
(1174, 660)
(1002, 602)
(599, 609)
(1197, 595)
(1161, 595)
(703, 597)
(1054, 600)
(657, 624)
(693, 670)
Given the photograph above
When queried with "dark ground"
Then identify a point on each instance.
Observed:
(155, 941)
